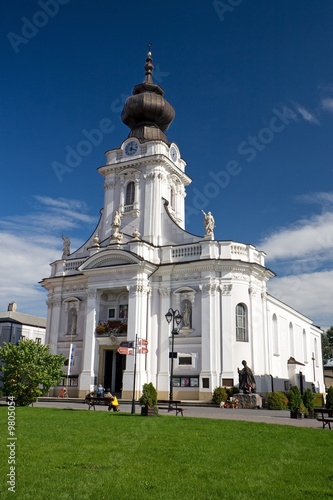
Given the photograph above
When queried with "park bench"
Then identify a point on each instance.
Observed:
(92, 401)
(324, 415)
(171, 406)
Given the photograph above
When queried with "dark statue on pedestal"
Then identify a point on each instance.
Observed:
(247, 384)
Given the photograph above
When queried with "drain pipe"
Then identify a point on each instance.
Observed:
(272, 382)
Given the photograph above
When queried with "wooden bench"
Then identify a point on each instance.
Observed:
(171, 406)
(92, 401)
(324, 415)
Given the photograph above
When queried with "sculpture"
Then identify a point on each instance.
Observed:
(66, 246)
(187, 313)
(209, 223)
(116, 225)
(247, 383)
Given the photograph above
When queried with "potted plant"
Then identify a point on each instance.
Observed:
(148, 400)
(308, 403)
(295, 403)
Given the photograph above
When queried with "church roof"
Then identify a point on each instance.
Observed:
(146, 112)
(22, 318)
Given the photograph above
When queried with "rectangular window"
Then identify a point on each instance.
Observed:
(205, 383)
(38, 340)
(112, 313)
(185, 360)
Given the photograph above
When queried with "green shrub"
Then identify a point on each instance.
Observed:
(219, 395)
(149, 396)
(308, 400)
(329, 398)
(277, 401)
(295, 400)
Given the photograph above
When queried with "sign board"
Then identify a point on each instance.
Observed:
(125, 350)
(143, 350)
(127, 344)
(142, 342)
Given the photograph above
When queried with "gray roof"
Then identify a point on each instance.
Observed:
(24, 319)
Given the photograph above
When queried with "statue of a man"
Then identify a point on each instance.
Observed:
(187, 316)
(66, 246)
(116, 225)
(209, 223)
(116, 220)
(247, 383)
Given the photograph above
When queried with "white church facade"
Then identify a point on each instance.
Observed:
(140, 262)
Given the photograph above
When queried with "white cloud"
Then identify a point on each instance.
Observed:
(327, 104)
(29, 243)
(309, 293)
(312, 236)
(305, 114)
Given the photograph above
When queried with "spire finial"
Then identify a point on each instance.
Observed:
(149, 66)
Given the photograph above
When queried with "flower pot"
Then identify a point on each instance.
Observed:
(148, 411)
(295, 414)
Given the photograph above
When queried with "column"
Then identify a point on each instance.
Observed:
(210, 345)
(163, 363)
(137, 322)
(228, 332)
(87, 376)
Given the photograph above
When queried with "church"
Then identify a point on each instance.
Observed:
(194, 308)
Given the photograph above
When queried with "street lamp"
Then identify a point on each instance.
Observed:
(175, 316)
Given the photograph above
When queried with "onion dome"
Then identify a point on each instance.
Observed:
(146, 112)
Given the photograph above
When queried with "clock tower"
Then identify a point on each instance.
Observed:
(146, 173)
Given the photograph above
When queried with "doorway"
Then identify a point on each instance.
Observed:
(114, 366)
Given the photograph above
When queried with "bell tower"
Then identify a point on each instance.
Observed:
(146, 170)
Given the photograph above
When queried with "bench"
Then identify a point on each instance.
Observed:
(92, 401)
(171, 406)
(324, 415)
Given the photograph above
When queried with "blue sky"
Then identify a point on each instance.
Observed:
(252, 87)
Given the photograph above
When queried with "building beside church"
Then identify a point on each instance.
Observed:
(140, 261)
(16, 326)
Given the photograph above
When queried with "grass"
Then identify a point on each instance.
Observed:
(79, 455)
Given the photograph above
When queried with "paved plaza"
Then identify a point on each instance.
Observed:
(281, 417)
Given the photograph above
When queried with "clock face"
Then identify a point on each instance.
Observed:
(131, 148)
(173, 154)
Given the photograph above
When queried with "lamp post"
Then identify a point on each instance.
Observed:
(176, 317)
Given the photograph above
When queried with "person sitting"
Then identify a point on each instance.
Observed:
(115, 404)
(100, 391)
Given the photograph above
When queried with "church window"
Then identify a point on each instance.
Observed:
(291, 339)
(130, 190)
(275, 335)
(241, 323)
(185, 360)
(305, 350)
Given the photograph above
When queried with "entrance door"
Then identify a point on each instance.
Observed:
(114, 365)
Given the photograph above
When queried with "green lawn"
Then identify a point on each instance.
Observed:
(80, 454)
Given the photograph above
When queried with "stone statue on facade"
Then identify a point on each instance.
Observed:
(187, 313)
(209, 223)
(247, 383)
(116, 235)
(66, 250)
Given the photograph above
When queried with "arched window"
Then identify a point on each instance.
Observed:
(291, 340)
(305, 349)
(275, 335)
(130, 190)
(241, 323)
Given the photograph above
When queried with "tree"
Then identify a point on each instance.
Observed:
(327, 343)
(29, 370)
